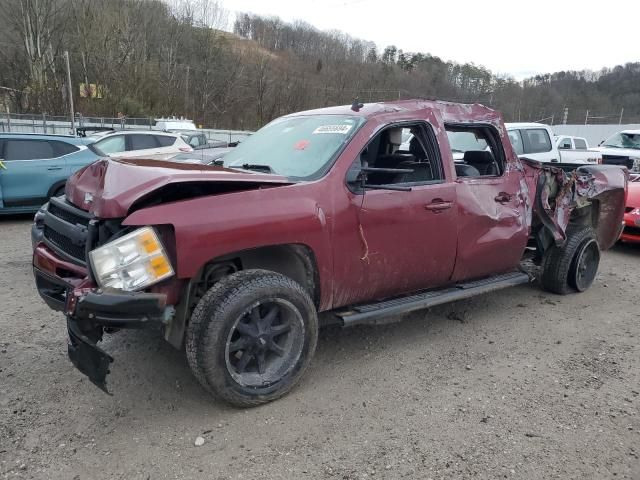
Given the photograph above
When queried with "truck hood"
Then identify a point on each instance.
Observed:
(109, 188)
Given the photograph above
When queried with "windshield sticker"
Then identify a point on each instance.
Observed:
(341, 129)
(302, 144)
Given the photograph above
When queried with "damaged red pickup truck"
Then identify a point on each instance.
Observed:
(361, 212)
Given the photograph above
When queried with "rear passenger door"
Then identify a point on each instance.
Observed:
(32, 168)
(492, 226)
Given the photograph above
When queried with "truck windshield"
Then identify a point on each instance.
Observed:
(623, 140)
(301, 147)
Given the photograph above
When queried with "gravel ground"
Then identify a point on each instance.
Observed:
(515, 384)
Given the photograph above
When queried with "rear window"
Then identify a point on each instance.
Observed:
(142, 142)
(580, 143)
(28, 150)
(536, 140)
(165, 141)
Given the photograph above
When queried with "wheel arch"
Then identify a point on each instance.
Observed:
(294, 260)
(56, 186)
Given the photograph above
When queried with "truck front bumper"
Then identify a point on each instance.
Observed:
(91, 311)
(96, 312)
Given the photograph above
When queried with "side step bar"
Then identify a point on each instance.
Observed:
(374, 311)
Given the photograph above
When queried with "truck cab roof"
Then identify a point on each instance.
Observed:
(450, 112)
(514, 125)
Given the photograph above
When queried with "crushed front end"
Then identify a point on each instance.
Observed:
(106, 299)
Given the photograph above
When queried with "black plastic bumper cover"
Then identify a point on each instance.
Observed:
(95, 311)
(87, 357)
(121, 309)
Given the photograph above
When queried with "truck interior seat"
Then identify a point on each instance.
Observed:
(482, 161)
(421, 173)
(464, 170)
(416, 150)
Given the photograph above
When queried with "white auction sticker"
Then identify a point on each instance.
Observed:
(341, 129)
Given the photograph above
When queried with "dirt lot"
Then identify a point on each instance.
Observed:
(516, 384)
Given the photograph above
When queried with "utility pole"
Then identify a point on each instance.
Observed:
(586, 118)
(186, 94)
(621, 113)
(70, 92)
(565, 115)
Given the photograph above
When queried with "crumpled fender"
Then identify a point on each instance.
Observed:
(558, 194)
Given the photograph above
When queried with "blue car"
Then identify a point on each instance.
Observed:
(34, 168)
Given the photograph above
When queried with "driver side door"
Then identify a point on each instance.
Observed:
(405, 222)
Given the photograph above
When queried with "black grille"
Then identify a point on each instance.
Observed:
(65, 229)
(617, 160)
(68, 216)
(64, 244)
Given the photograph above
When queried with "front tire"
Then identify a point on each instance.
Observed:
(252, 336)
(59, 192)
(572, 267)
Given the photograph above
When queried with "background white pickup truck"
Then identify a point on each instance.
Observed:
(576, 150)
(623, 149)
(537, 142)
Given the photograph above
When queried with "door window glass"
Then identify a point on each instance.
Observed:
(417, 163)
(516, 141)
(63, 148)
(536, 140)
(166, 141)
(111, 145)
(580, 143)
(565, 144)
(476, 150)
(28, 150)
(142, 142)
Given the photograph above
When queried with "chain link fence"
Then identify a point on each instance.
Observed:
(583, 117)
(61, 125)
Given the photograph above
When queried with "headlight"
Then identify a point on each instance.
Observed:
(635, 211)
(132, 262)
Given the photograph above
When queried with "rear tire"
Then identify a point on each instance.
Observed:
(574, 266)
(251, 337)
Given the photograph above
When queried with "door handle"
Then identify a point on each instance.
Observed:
(438, 205)
(54, 168)
(503, 197)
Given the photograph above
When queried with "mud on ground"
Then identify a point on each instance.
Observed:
(514, 384)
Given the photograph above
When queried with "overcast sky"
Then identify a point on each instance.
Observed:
(519, 38)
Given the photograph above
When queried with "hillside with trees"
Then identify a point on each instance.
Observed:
(151, 57)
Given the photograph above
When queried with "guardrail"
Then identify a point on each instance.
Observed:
(60, 125)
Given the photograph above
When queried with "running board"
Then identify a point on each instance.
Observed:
(374, 311)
